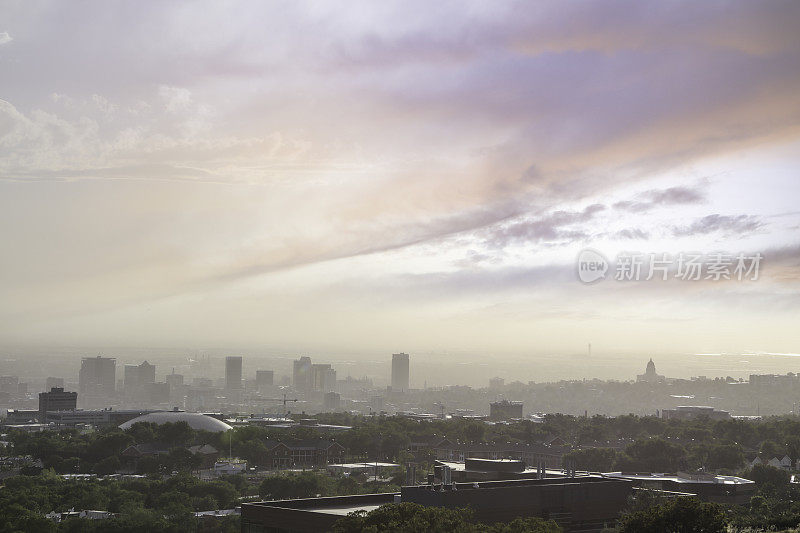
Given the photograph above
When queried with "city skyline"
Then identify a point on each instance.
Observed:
(318, 390)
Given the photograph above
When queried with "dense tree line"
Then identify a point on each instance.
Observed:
(659, 455)
(414, 518)
(676, 515)
(69, 451)
(630, 442)
(142, 504)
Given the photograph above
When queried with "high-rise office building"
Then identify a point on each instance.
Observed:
(136, 383)
(400, 372)
(147, 373)
(130, 379)
(97, 380)
(323, 377)
(177, 390)
(156, 393)
(233, 374)
(264, 379)
(174, 380)
(301, 374)
(332, 401)
(97, 372)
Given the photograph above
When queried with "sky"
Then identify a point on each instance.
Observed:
(370, 177)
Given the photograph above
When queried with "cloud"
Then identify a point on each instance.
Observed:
(632, 233)
(291, 135)
(552, 227)
(660, 198)
(5, 38)
(729, 225)
(175, 98)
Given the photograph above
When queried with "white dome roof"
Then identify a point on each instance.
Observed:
(195, 420)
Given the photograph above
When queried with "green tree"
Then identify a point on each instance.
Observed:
(474, 431)
(143, 432)
(106, 466)
(769, 478)
(174, 434)
(183, 460)
(525, 525)
(592, 459)
(414, 518)
(107, 444)
(17, 518)
(406, 518)
(680, 515)
(652, 455)
(302, 485)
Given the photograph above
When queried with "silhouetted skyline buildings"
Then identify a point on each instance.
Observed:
(400, 372)
(233, 373)
(97, 380)
(317, 388)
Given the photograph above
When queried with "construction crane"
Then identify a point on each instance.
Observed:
(283, 400)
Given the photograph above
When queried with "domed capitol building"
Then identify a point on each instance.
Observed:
(650, 375)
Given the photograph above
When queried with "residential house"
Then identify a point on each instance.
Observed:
(132, 454)
(783, 463)
(307, 453)
(208, 454)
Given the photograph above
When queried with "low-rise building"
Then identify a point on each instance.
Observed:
(784, 463)
(375, 468)
(100, 417)
(531, 454)
(708, 487)
(585, 503)
(505, 410)
(16, 417)
(230, 467)
(308, 453)
(474, 469)
(208, 454)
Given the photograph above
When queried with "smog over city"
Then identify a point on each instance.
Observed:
(399, 266)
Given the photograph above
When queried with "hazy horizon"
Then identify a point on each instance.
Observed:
(434, 369)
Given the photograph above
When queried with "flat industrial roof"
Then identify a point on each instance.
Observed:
(332, 504)
(342, 510)
(362, 465)
(728, 480)
(458, 466)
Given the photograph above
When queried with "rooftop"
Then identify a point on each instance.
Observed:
(680, 477)
(334, 505)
